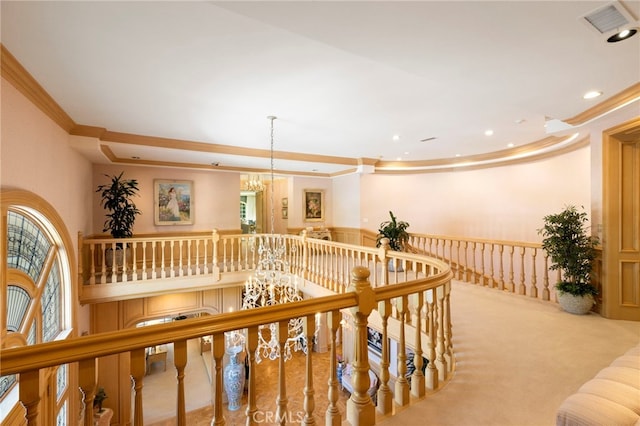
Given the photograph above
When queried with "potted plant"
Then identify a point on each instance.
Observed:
(122, 211)
(101, 395)
(572, 252)
(396, 231)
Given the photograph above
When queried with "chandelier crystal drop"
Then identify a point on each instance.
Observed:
(254, 184)
(272, 284)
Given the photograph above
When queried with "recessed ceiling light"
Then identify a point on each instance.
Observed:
(510, 145)
(406, 153)
(488, 132)
(520, 121)
(458, 155)
(622, 35)
(398, 158)
(396, 138)
(592, 94)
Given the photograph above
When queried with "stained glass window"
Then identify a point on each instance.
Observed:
(17, 303)
(27, 246)
(61, 382)
(50, 302)
(61, 418)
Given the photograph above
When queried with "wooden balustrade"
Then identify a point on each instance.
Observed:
(426, 294)
(491, 263)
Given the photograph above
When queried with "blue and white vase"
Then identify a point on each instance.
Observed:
(234, 379)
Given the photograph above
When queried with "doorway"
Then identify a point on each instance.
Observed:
(621, 217)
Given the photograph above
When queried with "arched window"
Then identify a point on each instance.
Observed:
(38, 288)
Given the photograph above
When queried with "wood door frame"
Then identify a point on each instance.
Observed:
(612, 139)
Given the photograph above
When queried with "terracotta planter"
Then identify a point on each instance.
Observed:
(578, 305)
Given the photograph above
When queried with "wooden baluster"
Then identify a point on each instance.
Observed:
(448, 341)
(385, 396)
(492, 277)
(332, 416)
(180, 361)
(281, 400)
(522, 289)
(87, 384)
(432, 372)
(215, 268)
(144, 261)
(534, 288)
(138, 367)
(163, 272)
(441, 361)
(360, 408)
(217, 349)
(134, 264)
(482, 276)
(154, 273)
(198, 242)
(252, 344)
(309, 326)
(545, 280)
(181, 259)
(501, 282)
(172, 261)
(466, 261)
(402, 385)
(205, 258)
(512, 284)
(458, 268)
(114, 265)
(474, 271)
(29, 395)
(417, 378)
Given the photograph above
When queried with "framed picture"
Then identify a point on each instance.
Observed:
(374, 340)
(285, 202)
(313, 205)
(285, 213)
(173, 202)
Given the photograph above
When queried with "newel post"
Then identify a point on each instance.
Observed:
(215, 269)
(305, 255)
(360, 409)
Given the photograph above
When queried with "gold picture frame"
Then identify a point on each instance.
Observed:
(313, 207)
(173, 202)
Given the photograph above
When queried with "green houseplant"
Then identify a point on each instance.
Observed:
(396, 231)
(572, 251)
(117, 199)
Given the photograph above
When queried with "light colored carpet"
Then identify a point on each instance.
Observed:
(159, 395)
(517, 359)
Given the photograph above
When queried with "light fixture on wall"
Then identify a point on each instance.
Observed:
(272, 284)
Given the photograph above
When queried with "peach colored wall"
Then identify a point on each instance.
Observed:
(35, 156)
(216, 197)
(505, 203)
(346, 201)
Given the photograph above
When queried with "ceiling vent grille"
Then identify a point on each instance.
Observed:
(611, 17)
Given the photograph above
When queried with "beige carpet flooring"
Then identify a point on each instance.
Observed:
(517, 359)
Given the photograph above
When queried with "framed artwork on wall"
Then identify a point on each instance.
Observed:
(313, 205)
(173, 202)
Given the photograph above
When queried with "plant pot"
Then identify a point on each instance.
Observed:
(120, 256)
(578, 305)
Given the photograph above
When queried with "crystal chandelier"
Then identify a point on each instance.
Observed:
(272, 284)
(254, 183)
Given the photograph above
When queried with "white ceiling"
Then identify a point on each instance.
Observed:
(342, 77)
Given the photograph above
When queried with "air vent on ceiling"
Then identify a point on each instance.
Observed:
(609, 18)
